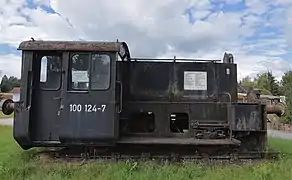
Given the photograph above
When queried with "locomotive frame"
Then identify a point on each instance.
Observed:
(95, 95)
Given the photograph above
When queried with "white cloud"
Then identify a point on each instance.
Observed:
(288, 27)
(201, 14)
(247, 65)
(10, 65)
(284, 2)
(233, 1)
(151, 27)
(42, 2)
(257, 6)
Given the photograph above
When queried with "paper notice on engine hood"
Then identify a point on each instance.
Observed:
(195, 80)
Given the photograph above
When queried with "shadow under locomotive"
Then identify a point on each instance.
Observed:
(95, 94)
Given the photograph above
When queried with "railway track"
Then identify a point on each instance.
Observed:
(156, 153)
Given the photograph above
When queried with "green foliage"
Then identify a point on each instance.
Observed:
(18, 164)
(7, 84)
(287, 91)
(3, 116)
(265, 82)
(247, 81)
(273, 85)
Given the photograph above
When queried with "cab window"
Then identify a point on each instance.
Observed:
(100, 72)
(90, 71)
(50, 72)
(79, 71)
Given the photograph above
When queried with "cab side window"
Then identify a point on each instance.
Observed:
(79, 71)
(50, 73)
(90, 71)
(100, 72)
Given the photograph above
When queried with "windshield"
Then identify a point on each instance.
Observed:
(90, 70)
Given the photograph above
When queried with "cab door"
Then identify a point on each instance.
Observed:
(46, 79)
(89, 113)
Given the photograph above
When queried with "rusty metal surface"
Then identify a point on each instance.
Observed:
(200, 116)
(248, 117)
(169, 81)
(168, 153)
(7, 106)
(275, 109)
(271, 107)
(70, 45)
(177, 141)
(153, 90)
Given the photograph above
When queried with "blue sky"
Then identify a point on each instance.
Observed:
(255, 31)
(8, 49)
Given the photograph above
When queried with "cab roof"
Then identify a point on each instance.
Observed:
(39, 45)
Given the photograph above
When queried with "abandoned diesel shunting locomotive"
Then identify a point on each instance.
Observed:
(96, 94)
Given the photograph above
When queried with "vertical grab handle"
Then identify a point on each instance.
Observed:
(121, 96)
(29, 89)
(61, 97)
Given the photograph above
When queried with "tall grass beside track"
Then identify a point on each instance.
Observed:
(17, 164)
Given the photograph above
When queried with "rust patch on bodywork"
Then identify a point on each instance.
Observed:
(249, 121)
(70, 46)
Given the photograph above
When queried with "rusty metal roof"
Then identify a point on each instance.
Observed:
(70, 45)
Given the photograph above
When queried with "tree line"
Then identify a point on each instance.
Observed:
(268, 85)
(8, 83)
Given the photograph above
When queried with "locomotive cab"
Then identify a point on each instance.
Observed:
(69, 93)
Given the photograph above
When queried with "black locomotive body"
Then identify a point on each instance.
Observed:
(96, 94)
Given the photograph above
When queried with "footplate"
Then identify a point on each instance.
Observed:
(178, 141)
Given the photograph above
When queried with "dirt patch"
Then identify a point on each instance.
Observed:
(280, 126)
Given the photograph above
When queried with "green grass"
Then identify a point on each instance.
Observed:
(2, 116)
(17, 164)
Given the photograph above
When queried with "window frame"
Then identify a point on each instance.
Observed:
(39, 56)
(69, 84)
(91, 71)
(69, 77)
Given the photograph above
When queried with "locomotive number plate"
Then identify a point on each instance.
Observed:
(88, 108)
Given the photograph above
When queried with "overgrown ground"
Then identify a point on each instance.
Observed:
(16, 164)
(2, 116)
